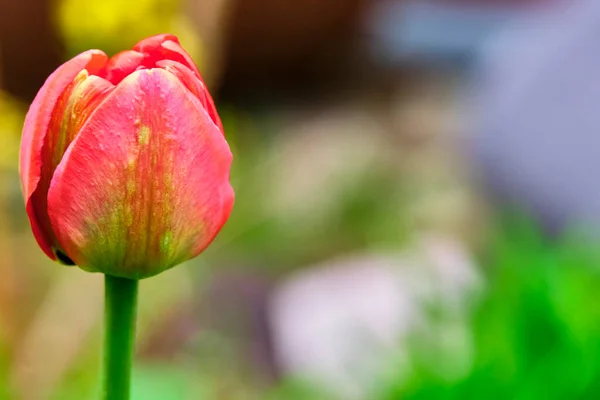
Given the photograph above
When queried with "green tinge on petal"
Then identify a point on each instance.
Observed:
(73, 108)
(33, 138)
(78, 101)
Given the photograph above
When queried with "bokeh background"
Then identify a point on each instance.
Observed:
(417, 209)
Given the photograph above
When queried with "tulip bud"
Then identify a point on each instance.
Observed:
(124, 165)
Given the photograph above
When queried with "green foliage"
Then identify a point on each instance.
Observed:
(296, 390)
(160, 382)
(536, 331)
(5, 384)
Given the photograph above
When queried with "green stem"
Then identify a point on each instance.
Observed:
(119, 340)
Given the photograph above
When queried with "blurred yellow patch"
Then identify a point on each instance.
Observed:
(12, 114)
(115, 25)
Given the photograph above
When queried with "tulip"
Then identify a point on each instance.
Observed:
(125, 171)
(124, 165)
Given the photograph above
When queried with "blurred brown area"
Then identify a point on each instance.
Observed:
(211, 19)
(297, 44)
(29, 45)
(261, 41)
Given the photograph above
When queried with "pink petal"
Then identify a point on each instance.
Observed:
(154, 42)
(173, 51)
(194, 85)
(36, 127)
(166, 46)
(145, 184)
(72, 109)
(122, 64)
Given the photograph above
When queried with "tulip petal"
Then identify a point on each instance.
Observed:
(35, 129)
(154, 42)
(194, 85)
(145, 184)
(122, 64)
(173, 51)
(166, 46)
(71, 111)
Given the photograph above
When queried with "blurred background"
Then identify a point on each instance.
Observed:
(417, 204)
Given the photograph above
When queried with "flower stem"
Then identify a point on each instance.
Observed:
(119, 337)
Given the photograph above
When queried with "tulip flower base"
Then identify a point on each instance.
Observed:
(119, 336)
(125, 171)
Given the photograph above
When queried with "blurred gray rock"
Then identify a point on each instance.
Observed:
(537, 106)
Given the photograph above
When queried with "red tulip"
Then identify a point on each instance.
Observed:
(124, 165)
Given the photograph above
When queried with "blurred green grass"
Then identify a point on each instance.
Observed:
(535, 331)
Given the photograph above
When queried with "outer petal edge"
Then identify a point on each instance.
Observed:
(36, 126)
